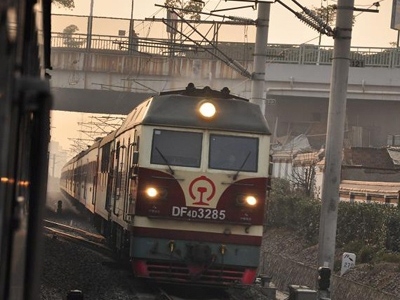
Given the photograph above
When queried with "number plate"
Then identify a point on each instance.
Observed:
(198, 213)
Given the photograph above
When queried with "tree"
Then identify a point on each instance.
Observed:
(64, 3)
(303, 180)
(327, 14)
(69, 40)
(187, 8)
(303, 174)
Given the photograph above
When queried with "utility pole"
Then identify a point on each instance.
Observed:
(131, 27)
(334, 138)
(320, 39)
(86, 57)
(260, 56)
(90, 27)
(132, 37)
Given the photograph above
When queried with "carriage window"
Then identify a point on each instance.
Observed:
(176, 148)
(235, 153)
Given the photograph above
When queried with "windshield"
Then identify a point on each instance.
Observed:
(236, 153)
(176, 148)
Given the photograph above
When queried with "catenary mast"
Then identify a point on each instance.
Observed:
(335, 135)
(260, 56)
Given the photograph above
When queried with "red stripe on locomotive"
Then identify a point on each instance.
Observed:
(173, 195)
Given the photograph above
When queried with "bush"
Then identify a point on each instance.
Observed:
(393, 231)
(353, 246)
(366, 229)
(366, 254)
(363, 222)
(390, 257)
(294, 211)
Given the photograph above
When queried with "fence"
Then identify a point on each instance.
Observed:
(276, 53)
(113, 35)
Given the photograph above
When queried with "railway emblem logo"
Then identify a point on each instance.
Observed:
(201, 190)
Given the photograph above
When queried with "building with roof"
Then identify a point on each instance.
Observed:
(367, 174)
(371, 174)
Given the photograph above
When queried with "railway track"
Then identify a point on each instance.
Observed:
(88, 239)
(175, 292)
(97, 242)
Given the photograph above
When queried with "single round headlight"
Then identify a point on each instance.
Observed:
(251, 200)
(152, 192)
(207, 110)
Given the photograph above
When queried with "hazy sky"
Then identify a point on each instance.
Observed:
(370, 30)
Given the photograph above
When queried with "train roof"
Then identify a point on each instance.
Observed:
(95, 145)
(180, 109)
(84, 152)
(108, 138)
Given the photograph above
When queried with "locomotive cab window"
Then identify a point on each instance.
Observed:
(236, 153)
(176, 148)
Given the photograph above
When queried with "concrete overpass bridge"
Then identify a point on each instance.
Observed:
(111, 78)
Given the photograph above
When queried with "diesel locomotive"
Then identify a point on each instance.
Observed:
(181, 186)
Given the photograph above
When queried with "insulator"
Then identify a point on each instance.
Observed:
(238, 67)
(315, 17)
(307, 21)
(236, 64)
(241, 19)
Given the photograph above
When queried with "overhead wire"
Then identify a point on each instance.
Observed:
(283, 51)
(191, 31)
(221, 55)
(226, 59)
(142, 63)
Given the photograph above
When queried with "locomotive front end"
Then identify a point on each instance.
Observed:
(199, 190)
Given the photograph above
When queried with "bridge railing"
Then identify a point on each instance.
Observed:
(276, 53)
